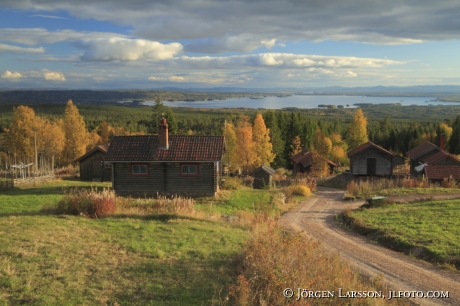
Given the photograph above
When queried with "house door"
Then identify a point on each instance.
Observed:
(371, 166)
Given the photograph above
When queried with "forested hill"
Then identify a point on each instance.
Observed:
(107, 97)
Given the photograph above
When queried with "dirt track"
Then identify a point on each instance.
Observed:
(316, 216)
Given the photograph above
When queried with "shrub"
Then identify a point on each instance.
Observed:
(301, 190)
(91, 203)
(231, 183)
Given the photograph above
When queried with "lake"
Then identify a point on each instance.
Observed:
(302, 101)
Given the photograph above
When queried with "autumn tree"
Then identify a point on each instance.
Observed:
(322, 146)
(245, 144)
(338, 150)
(230, 158)
(75, 134)
(104, 133)
(20, 134)
(296, 146)
(357, 131)
(262, 145)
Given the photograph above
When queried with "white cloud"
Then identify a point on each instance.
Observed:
(154, 78)
(54, 76)
(14, 49)
(122, 49)
(36, 36)
(176, 78)
(351, 73)
(49, 16)
(283, 60)
(11, 75)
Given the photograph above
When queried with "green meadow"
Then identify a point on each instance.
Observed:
(46, 259)
(427, 229)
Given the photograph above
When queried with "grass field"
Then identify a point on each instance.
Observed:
(428, 230)
(136, 260)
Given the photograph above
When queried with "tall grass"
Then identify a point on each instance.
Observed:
(370, 186)
(158, 205)
(274, 260)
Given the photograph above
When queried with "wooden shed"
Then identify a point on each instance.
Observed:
(429, 154)
(92, 166)
(372, 160)
(303, 161)
(263, 177)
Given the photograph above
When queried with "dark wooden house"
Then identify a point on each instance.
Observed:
(92, 166)
(303, 161)
(429, 154)
(263, 177)
(372, 160)
(167, 165)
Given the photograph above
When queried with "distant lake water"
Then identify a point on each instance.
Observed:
(303, 101)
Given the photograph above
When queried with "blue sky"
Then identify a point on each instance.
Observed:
(114, 44)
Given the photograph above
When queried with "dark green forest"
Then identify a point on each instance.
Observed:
(397, 128)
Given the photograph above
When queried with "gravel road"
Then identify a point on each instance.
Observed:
(316, 216)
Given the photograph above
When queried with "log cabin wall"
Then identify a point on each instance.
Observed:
(165, 178)
(359, 162)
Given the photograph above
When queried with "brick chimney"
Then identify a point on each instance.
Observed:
(163, 142)
(443, 141)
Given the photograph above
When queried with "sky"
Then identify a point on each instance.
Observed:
(265, 44)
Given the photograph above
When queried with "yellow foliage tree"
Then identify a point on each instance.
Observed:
(296, 146)
(20, 134)
(262, 145)
(75, 134)
(230, 158)
(357, 131)
(322, 146)
(245, 144)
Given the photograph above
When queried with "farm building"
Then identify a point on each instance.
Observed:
(167, 165)
(303, 161)
(372, 160)
(429, 154)
(439, 173)
(263, 177)
(92, 167)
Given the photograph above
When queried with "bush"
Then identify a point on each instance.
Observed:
(300, 190)
(91, 203)
(231, 183)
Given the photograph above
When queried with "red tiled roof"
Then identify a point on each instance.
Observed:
(439, 156)
(101, 148)
(181, 148)
(442, 172)
(422, 149)
(305, 158)
(366, 146)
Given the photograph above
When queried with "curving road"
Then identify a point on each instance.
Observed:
(316, 216)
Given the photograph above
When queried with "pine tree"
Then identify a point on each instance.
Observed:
(75, 134)
(454, 141)
(173, 127)
(157, 114)
(357, 132)
(262, 145)
(230, 158)
(277, 141)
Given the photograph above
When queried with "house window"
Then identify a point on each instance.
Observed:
(189, 170)
(139, 170)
